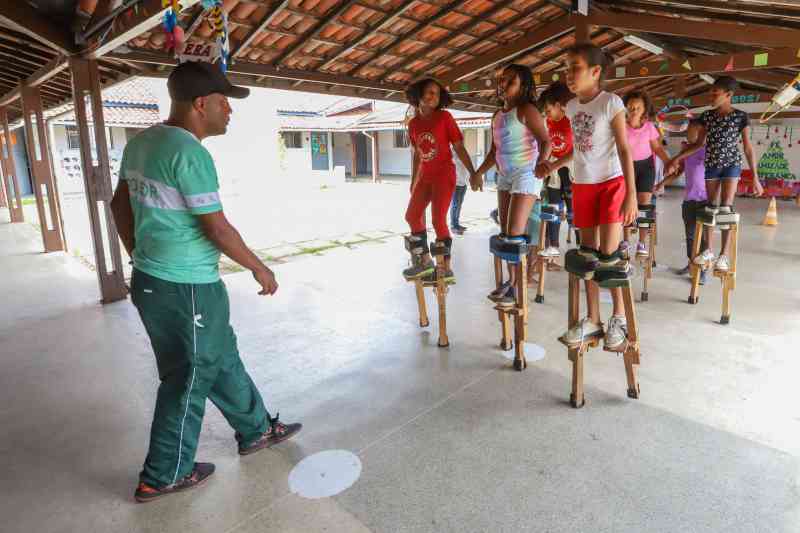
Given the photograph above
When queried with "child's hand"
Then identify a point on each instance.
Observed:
(672, 167)
(659, 188)
(476, 182)
(542, 170)
(630, 210)
(759, 189)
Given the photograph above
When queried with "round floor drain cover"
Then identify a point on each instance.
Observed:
(324, 474)
(533, 353)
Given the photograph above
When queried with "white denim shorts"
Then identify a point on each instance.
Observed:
(522, 181)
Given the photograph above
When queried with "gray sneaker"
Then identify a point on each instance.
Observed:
(616, 332)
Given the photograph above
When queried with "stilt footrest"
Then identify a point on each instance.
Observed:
(508, 251)
(550, 213)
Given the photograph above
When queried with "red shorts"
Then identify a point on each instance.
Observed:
(594, 204)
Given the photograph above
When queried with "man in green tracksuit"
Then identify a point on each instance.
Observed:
(170, 219)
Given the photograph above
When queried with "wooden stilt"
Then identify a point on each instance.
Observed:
(441, 297)
(423, 310)
(694, 267)
(505, 326)
(542, 263)
(521, 314)
(631, 354)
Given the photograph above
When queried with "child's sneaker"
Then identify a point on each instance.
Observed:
(625, 249)
(419, 270)
(551, 251)
(723, 264)
(509, 297)
(199, 474)
(616, 333)
(498, 293)
(684, 271)
(706, 257)
(641, 250)
(582, 331)
(449, 277)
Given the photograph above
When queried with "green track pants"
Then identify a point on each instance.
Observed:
(197, 358)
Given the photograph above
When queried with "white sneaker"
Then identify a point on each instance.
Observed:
(616, 333)
(581, 331)
(723, 264)
(706, 257)
(551, 251)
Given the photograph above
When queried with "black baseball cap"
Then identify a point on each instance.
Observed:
(193, 79)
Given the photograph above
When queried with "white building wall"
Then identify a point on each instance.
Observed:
(393, 161)
(342, 151)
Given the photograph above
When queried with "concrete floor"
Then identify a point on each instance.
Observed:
(450, 439)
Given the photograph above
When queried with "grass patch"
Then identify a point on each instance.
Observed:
(317, 249)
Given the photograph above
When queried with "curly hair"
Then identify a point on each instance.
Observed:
(556, 93)
(414, 93)
(644, 97)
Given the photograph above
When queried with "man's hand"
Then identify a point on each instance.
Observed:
(630, 209)
(266, 278)
(659, 188)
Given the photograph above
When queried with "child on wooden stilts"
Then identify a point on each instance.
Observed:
(603, 187)
(645, 143)
(520, 146)
(720, 129)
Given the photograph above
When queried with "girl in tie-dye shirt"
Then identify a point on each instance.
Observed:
(520, 144)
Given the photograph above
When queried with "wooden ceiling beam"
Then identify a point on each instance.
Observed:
(766, 36)
(389, 18)
(536, 37)
(316, 29)
(468, 27)
(23, 18)
(273, 12)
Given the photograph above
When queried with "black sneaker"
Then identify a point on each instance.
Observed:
(457, 230)
(461, 228)
(201, 472)
(277, 432)
(684, 271)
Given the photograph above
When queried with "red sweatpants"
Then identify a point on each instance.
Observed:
(439, 193)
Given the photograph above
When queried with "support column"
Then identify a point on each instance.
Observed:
(376, 167)
(10, 181)
(3, 201)
(354, 156)
(97, 178)
(581, 28)
(44, 184)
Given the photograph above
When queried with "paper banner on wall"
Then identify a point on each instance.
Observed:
(729, 66)
(687, 65)
(537, 78)
(761, 60)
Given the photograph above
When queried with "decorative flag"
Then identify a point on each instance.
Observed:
(687, 65)
(729, 66)
(664, 67)
(761, 60)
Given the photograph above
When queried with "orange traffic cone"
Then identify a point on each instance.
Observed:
(771, 218)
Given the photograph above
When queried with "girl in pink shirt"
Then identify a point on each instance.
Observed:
(644, 141)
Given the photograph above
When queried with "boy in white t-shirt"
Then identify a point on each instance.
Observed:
(603, 189)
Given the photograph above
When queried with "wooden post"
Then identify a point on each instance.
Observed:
(10, 180)
(575, 354)
(97, 178)
(581, 28)
(695, 268)
(376, 170)
(631, 354)
(3, 201)
(44, 185)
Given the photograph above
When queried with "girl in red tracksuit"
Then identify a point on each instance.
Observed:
(432, 132)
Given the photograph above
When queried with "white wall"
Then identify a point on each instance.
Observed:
(342, 151)
(393, 161)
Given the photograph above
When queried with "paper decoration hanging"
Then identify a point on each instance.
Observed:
(729, 66)
(644, 71)
(687, 65)
(664, 67)
(174, 32)
(620, 72)
(761, 60)
(219, 22)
